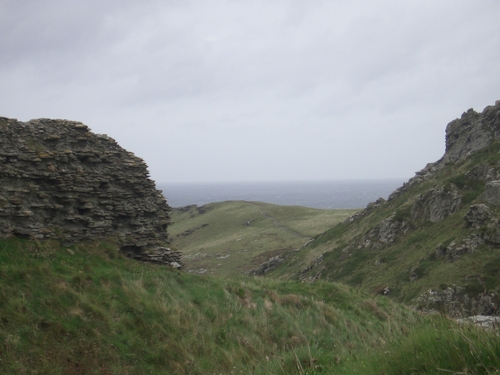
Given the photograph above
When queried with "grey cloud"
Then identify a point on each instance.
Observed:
(281, 89)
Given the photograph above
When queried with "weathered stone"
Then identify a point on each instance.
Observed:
(491, 193)
(483, 321)
(455, 301)
(478, 215)
(483, 172)
(466, 135)
(305, 277)
(436, 204)
(384, 233)
(60, 181)
(454, 250)
(158, 254)
(369, 208)
(492, 234)
(267, 266)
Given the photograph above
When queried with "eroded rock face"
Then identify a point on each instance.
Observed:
(436, 204)
(483, 173)
(369, 208)
(491, 193)
(466, 135)
(267, 266)
(484, 231)
(457, 302)
(478, 215)
(58, 180)
(458, 249)
(384, 234)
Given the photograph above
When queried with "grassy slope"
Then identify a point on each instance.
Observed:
(376, 269)
(215, 239)
(87, 310)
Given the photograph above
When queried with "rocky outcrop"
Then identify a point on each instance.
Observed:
(483, 173)
(158, 254)
(484, 231)
(477, 216)
(384, 234)
(491, 193)
(58, 180)
(304, 277)
(457, 249)
(464, 136)
(420, 176)
(483, 321)
(369, 208)
(435, 205)
(457, 302)
(267, 266)
(467, 135)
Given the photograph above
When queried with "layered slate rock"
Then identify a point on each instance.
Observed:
(436, 204)
(58, 180)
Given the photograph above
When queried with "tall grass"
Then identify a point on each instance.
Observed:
(87, 310)
(443, 347)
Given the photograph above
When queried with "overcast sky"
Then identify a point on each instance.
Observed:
(255, 90)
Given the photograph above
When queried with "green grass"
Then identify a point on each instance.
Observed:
(434, 350)
(231, 238)
(88, 310)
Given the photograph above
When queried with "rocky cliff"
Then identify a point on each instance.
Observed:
(58, 180)
(436, 241)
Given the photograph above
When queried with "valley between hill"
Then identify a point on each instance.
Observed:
(231, 238)
(332, 305)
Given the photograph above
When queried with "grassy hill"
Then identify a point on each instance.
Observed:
(231, 238)
(88, 310)
(451, 257)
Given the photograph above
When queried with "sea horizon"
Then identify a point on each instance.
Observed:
(332, 194)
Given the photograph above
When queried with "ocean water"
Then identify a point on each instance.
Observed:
(314, 194)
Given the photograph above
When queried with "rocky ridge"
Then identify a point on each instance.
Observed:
(454, 185)
(58, 180)
(464, 136)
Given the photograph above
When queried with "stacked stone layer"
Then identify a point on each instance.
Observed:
(58, 180)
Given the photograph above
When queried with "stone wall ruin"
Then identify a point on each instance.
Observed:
(58, 180)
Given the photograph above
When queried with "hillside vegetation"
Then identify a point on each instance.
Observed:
(435, 244)
(88, 310)
(231, 238)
